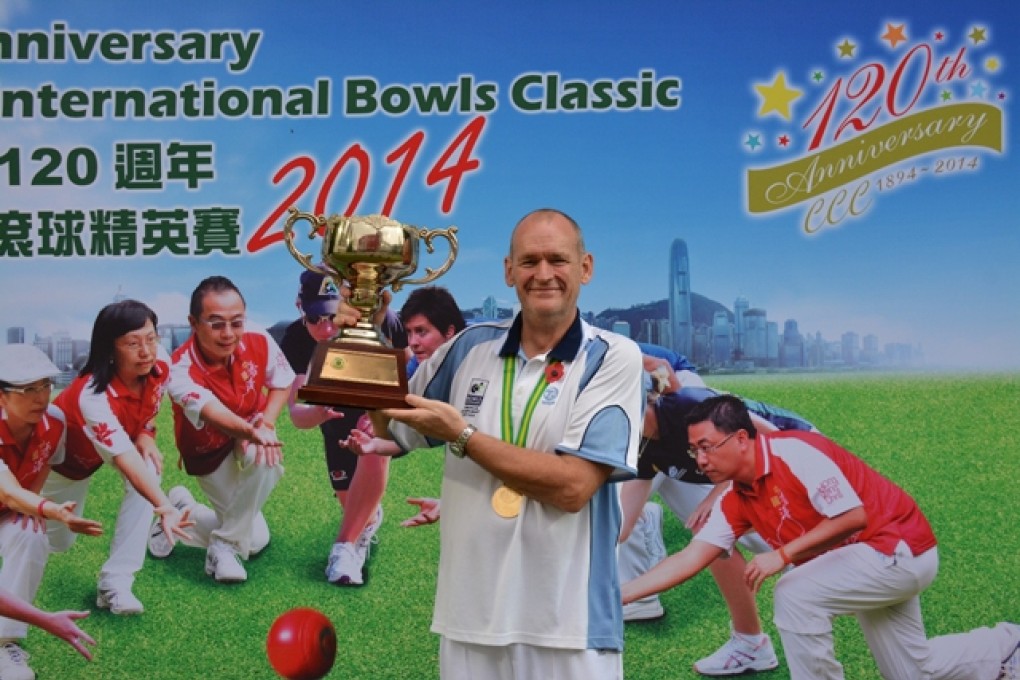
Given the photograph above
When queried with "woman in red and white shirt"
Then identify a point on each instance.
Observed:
(110, 410)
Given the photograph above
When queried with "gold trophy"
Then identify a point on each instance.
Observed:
(360, 368)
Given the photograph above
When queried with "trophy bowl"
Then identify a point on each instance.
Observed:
(359, 368)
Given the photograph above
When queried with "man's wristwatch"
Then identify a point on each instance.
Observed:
(458, 446)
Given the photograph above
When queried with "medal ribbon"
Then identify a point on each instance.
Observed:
(507, 419)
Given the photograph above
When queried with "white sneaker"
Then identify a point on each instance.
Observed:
(1011, 666)
(14, 662)
(647, 609)
(345, 565)
(738, 656)
(118, 599)
(224, 564)
(160, 546)
(368, 534)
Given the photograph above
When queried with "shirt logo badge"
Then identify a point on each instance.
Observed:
(475, 395)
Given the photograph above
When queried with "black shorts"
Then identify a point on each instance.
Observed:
(340, 462)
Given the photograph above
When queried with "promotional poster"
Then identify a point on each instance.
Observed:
(847, 170)
(779, 186)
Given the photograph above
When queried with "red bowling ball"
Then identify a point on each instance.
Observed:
(302, 644)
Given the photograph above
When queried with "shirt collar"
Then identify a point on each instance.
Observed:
(762, 465)
(565, 350)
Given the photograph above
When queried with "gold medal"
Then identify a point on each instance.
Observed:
(507, 502)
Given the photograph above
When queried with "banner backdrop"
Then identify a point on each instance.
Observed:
(847, 167)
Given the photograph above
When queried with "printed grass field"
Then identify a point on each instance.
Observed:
(950, 441)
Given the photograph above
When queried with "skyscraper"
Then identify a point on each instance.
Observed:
(740, 306)
(791, 347)
(755, 336)
(722, 340)
(680, 321)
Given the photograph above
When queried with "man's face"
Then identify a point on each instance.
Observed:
(423, 338)
(719, 455)
(220, 326)
(546, 266)
(322, 326)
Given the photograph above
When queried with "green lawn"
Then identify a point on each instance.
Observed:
(951, 441)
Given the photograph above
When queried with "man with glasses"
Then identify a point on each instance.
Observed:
(859, 545)
(228, 385)
(666, 467)
(358, 484)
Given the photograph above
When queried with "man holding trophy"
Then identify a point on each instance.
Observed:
(539, 415)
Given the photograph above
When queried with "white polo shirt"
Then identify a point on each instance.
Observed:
(545, 577)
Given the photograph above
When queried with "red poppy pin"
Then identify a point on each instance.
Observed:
(554, 372)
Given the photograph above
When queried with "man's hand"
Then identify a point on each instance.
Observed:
(263, 447)
(328, 413)
(432, 418)
(761, 567)
(428, 512)
(361, 443)
(664, 380)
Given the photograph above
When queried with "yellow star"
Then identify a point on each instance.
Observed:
(894, 34)
(846, 48)
(992, 64)
(977, 35)
(777, 96)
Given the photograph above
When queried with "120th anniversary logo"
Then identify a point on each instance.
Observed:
(876, 124)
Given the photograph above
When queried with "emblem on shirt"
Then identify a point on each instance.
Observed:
(248, 373)
(829, 491)
(103, 434)
(475, 394)
(41, 456)
(550, 395)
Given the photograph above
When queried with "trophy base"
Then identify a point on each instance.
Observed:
(356, 375)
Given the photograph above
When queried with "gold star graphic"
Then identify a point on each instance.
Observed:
(894, 34)
(777, 96)
(846, 48)
(992, 64)
(977, 35)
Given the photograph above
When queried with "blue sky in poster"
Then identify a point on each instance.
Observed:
(929, 261)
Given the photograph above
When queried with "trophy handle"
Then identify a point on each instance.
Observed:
(431, 274)
(288, 235)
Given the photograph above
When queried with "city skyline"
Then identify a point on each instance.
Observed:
(750, 341)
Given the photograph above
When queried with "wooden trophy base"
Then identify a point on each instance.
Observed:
(357, 375)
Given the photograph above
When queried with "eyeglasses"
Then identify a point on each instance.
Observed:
(134, 345)
(237, 323)
(32, 390)
(693, 450)
(316, 319)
